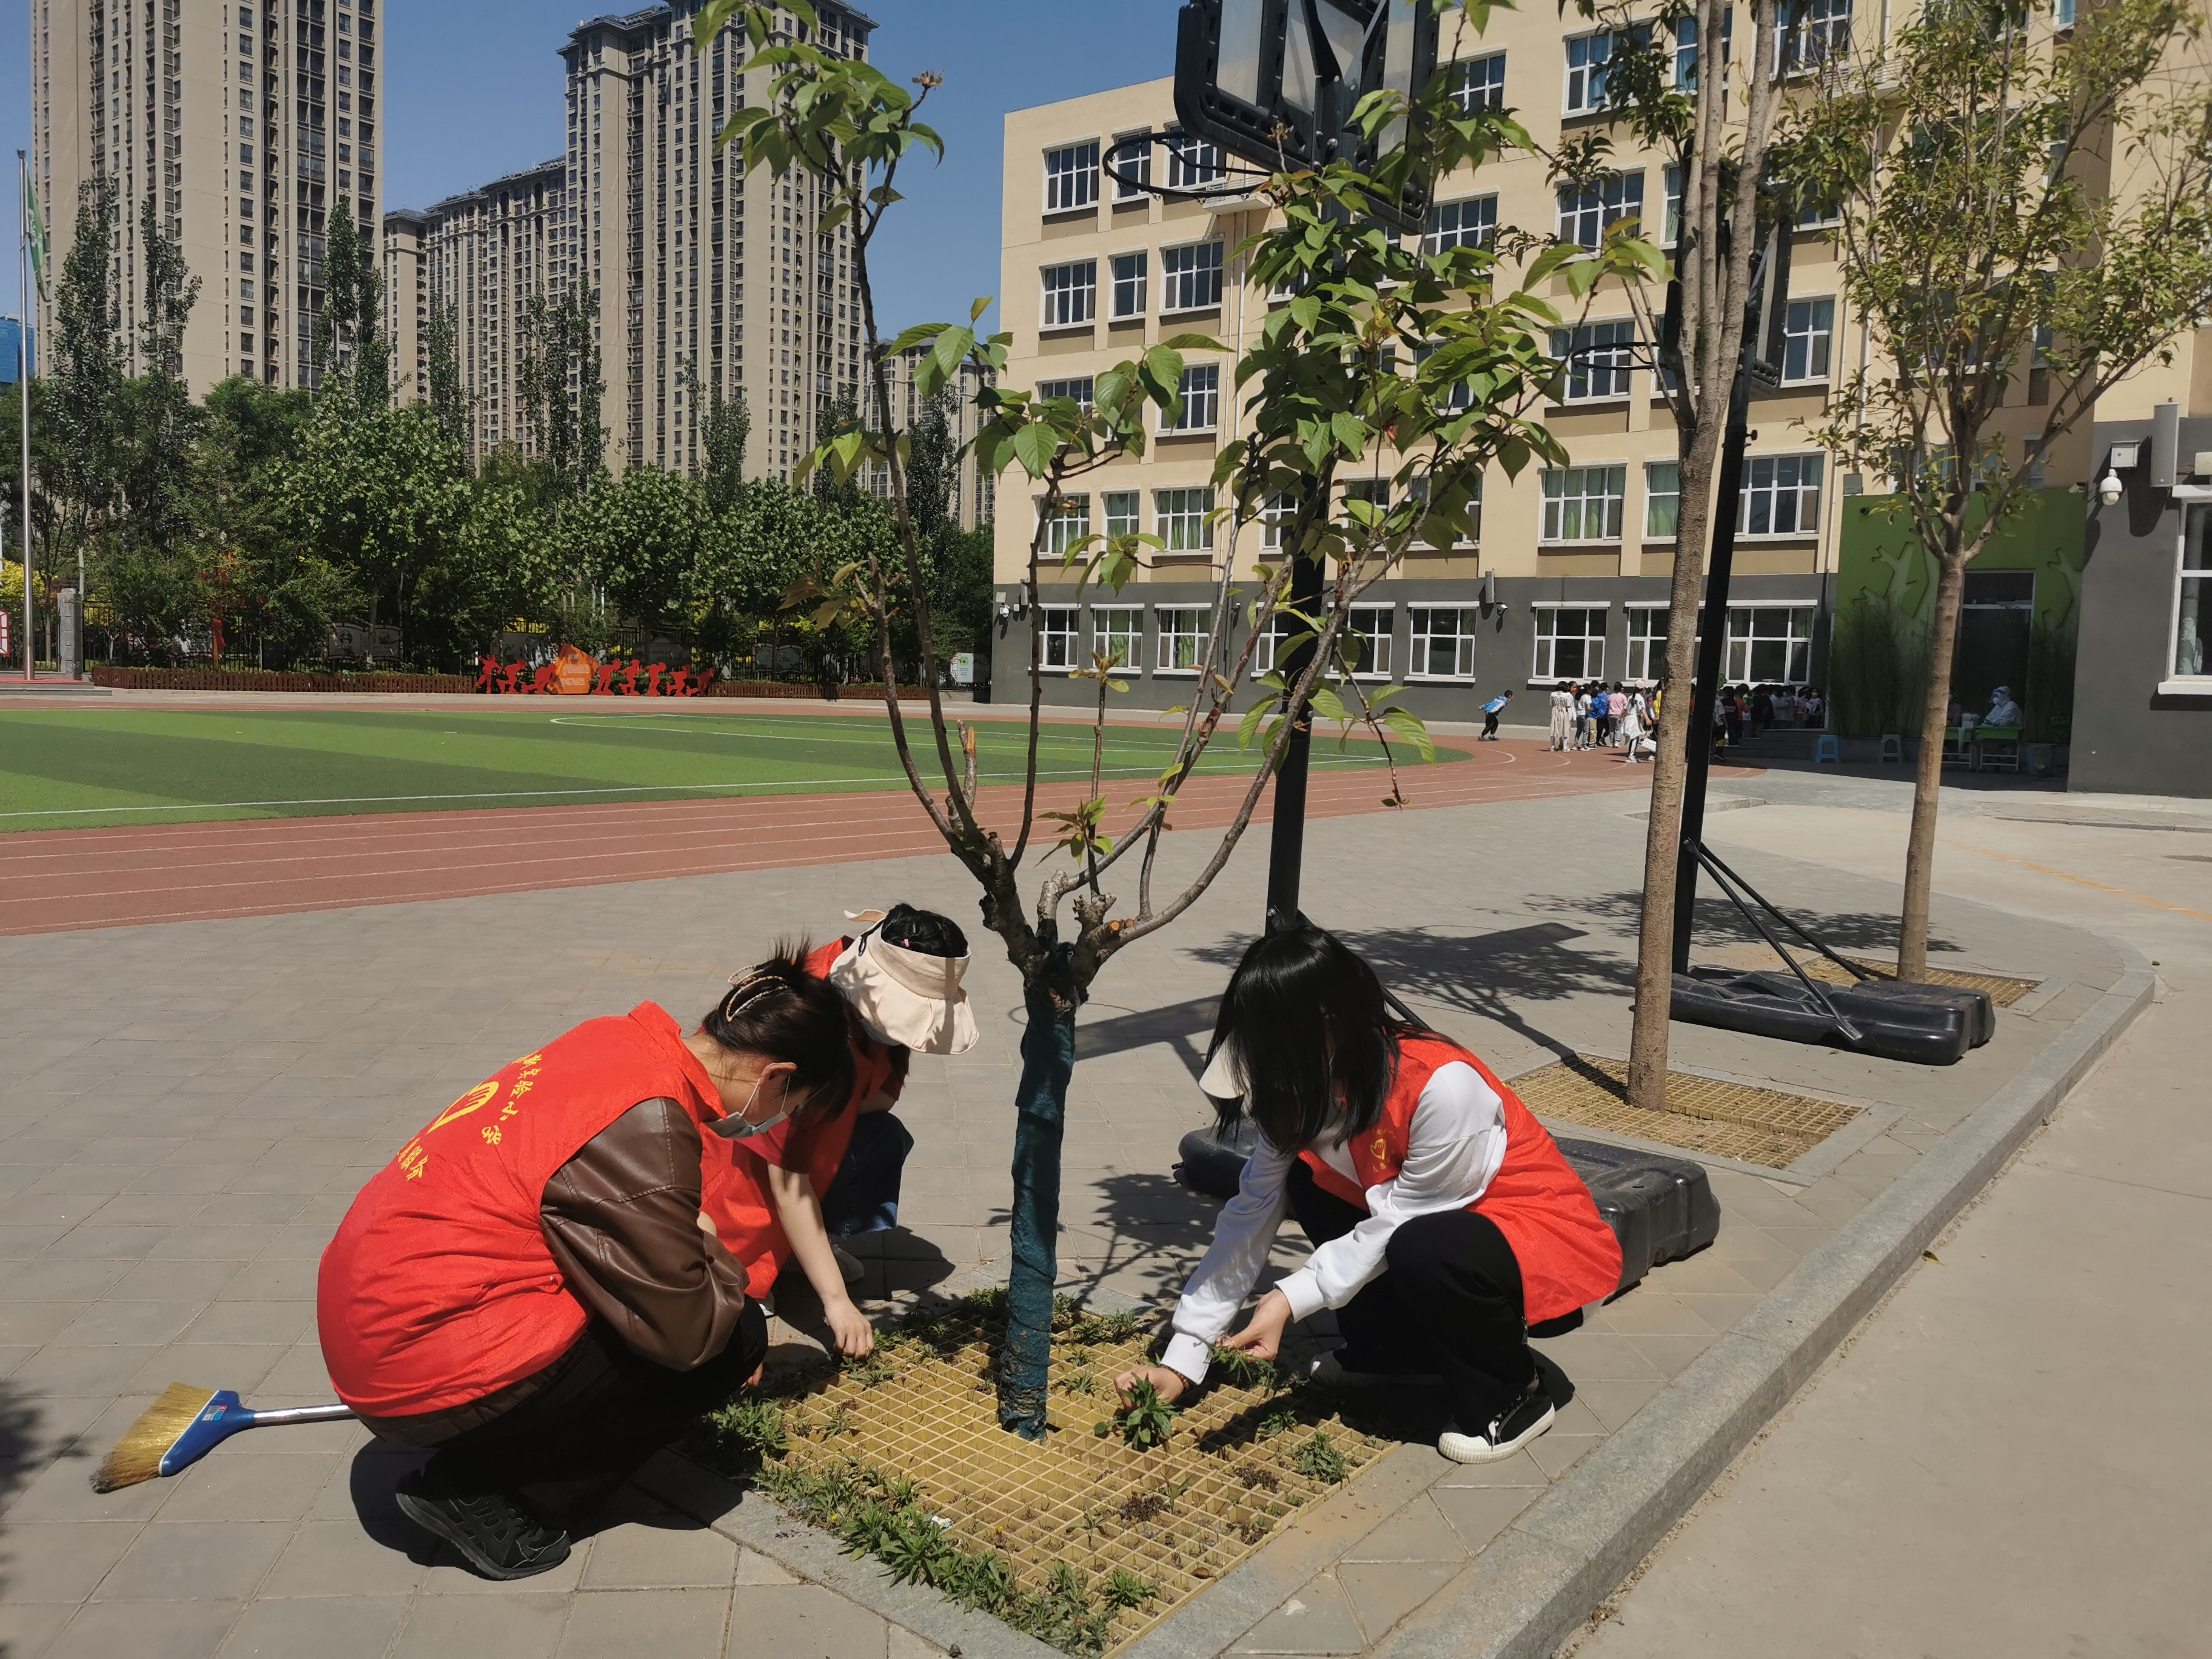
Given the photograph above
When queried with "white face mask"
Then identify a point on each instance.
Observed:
(737, 1126)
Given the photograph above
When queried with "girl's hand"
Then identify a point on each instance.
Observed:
(1170, 1385)
(1263, 1338)
(856, 1338)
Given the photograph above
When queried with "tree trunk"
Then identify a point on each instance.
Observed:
(1928, 779)
(1041, 1105)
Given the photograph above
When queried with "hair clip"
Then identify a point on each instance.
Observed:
(743, 994)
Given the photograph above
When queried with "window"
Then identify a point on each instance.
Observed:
(1663, 500)
(1078, 389)
(1470, 224)
(1823, 31)
(1132, 164)
(1181, 519)
(1118, 630)
(1071, 293)
(1129, 272)
(1071, 177)
(1587, 58)
(1443, 643)
(1769, 644)
(1069, 526)
(1781, 495)
(1586, 215)
(1807, 329)
(2062, 14)
(1275, 518)
(1190, 278)
(1270, 652)
(1193, 163)
(1058, 626)
(1647, 642)
(1570, 643)
(1479, 84)
(1599, 357)
(1367, 640)
(1122, 518)
(1583, 503)
(1671, 220)
(1201, 400)
(1686, 47)
(2192, 615)
(1182, 639)
(1375, 492)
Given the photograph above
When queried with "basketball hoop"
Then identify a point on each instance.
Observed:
(1225, 181)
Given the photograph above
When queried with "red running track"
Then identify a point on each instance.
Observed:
(69, 880)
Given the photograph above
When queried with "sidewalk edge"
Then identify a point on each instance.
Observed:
(1529, 1591)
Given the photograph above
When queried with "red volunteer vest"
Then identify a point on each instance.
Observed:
(1568, 1257)
(439, 1287)
(736, 1195)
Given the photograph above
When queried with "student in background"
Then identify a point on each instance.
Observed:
(1490, 711)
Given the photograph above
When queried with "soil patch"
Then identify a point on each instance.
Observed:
(1703, 1115)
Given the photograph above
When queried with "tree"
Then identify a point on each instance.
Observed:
(263, 586)
(2028, 219)
(82, 410)
(350, 339)
(1343, 376)
(449, 405)
(641, 535)
(723, 432)
(561, 387)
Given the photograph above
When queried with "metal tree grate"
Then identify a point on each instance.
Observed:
(924, 1410)
(2003, 990)
(1703, 1115)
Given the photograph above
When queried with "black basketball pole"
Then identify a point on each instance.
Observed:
(1286, 846)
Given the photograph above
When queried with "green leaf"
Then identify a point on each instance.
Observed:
(976, 311)
(1408, 725)
(1327, 704)
(1035, 446)
(1250, 723)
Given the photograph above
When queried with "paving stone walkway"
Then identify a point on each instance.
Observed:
(187, 1110)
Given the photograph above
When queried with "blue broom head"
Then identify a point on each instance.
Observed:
(222, 1416)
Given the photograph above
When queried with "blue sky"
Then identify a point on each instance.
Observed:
(473, 91)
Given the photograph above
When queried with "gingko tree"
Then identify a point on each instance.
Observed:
(2026, 221)
(1389, 365)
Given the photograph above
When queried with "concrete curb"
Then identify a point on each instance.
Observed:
(1539, 1579)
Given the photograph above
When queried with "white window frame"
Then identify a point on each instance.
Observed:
(1360, 624)
(1823, 31)
(1077, 294)
(1183, 630)
(1458, 641)
(1653, 495)
(1543, 669)
(1136, 287)
(1061, 640)
(1604, 371)
(1200, 397)
(1077, 386)
(1124, 622)
(1670, 213)
(1280, 627)
(1183, 519)
(2197, 516)
(1617, 195)
(1070, 177)
(1818, 338)
(1796, 648)
(1132, 154)
(1124, 510)
(1069, 526)
(1482, 232)
(1768, 481)
(1611, 513)
(1644, 641)
(1276, 513)
(1193, 163)
(1489, 93)
(1175, 284)
(1583, 90)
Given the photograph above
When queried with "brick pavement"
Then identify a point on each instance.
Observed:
(189, 1108)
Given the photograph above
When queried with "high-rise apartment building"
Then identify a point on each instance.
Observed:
(974, 489)
(478, 259)
(245, 124)
(703, 276)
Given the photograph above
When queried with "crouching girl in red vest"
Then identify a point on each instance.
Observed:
(527, 1288)
(1444, 1220)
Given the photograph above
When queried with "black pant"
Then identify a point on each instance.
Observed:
(1490, 724)
(1450, 1301)
(599, 1413)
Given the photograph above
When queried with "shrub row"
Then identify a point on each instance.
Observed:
(227, 679)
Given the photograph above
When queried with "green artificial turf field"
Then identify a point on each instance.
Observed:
(76, 768)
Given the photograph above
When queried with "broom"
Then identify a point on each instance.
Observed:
(185, 1425)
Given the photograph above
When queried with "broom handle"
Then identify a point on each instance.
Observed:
(331, 1414)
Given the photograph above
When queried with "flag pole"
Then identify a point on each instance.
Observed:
(24, 397)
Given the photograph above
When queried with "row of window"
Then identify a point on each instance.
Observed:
(1581, 504)
(1767, 644)
(1073, 173)
(1189, 280)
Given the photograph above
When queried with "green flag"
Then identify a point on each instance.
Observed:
(36, 229)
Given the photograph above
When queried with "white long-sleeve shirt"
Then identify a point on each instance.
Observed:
(1454, 1149)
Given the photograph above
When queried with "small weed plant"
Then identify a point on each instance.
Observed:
(1320, 1459)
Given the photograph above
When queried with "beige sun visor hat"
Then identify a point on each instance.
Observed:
(1224, 1076)
(904, 997)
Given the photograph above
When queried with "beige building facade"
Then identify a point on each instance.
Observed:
(407, 302)
(244, 125)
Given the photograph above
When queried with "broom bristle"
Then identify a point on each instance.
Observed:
(137, 1456)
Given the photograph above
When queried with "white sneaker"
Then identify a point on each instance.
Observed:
(848, 1264)
(1504, 1434)
(1328, 1372)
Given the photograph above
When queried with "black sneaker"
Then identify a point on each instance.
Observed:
(494, 1534)
(1505, 1433)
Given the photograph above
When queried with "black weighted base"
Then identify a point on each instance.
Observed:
(1922, 1025)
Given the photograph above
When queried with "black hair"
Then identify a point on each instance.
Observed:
(925, 931)
(777, 1009)
(1315, 1038)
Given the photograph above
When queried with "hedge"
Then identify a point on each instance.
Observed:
(224, 679)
